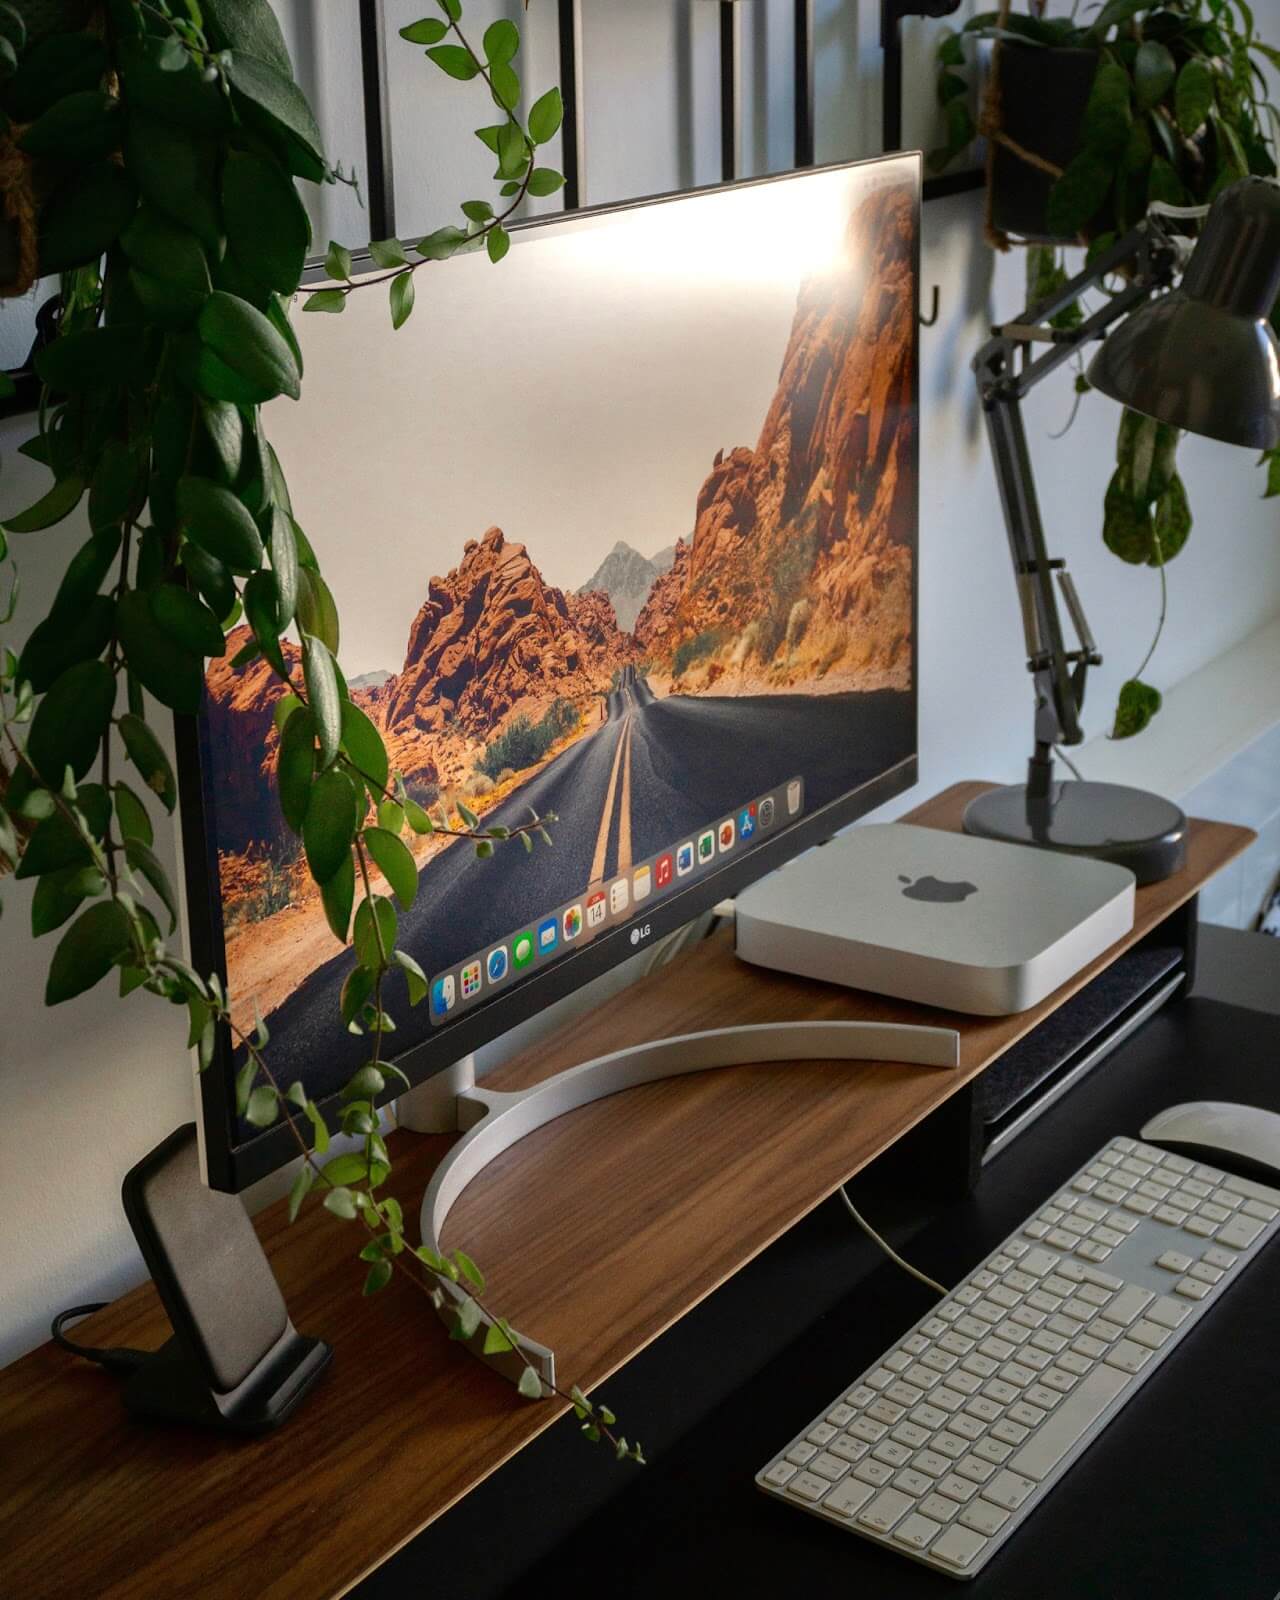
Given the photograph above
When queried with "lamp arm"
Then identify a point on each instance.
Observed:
(1005, 372)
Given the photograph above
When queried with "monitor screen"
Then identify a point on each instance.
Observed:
(623, 531)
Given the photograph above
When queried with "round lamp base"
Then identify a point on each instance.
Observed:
(1108, 821)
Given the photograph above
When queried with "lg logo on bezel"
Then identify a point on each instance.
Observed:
(641, 932)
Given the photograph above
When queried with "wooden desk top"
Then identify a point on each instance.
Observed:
(596, 1233)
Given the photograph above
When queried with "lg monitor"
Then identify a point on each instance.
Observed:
(625, 530)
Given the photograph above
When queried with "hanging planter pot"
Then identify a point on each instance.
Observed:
(1033, 119)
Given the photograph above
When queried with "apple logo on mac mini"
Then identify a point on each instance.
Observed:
(936, 890)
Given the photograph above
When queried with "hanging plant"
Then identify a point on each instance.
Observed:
(159, 145)
(1088, 124)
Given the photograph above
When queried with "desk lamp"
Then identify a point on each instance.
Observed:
(1202, 357)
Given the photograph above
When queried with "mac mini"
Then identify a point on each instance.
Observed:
(943, 919)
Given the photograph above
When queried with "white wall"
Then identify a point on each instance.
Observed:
(90, 1087)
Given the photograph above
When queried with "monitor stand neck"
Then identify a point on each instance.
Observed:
(491, 1121)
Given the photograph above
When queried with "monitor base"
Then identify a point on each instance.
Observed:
(492, 1121)
(1108, 821)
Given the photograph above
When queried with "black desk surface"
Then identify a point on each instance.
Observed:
(1179, 1498)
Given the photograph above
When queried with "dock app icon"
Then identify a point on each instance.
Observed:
(443, 995)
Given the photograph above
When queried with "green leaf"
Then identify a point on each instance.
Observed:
(282, 547)
(1078, 194)
(167, 251)
(545, 117)
(1272, 459)
(506, 85)
(88, 950)
(467, 1267)
(338, 896)
(263, 1107)
(319, 1128)
(247, 25)
(429, 31)
(387, 253)
(477, 210)
(57, 503)
(131, 814)
(262, 609)
(530, 1385)
(396, 863)
(1137, 704)
(513, 153)
(1108, 115)
(272, 102)
(83, 216)
(356, 989)
(71, 721)
(77, 128)
(244, 1085)
(295, 767)
(299, 1190)
(267, 228)
(365, 936)
(342, 1203)
(322, 692)
(468, 816)
(242, 338)
(147, 754)
(391, 816)
(365, 1084)
(57, 842)
(211, 578)
(337, 261)
(415, 977)
(401, 294)
(1154, 70)
(466, 1319)
(169, 671)
(1193, 96)
(441, 244)
(363, 744)
(175, 171)
(417, 818)
(218, 521)
(59, 894)
(495, 1341)
(316, 609)
(347, 1169)
(331, 300)
(454, 60)
(329, 827)
(497, 243)
(187, 620)
(544, 180)
(501, 41)
(144, 860)
(1172, 523)
(378, 1278)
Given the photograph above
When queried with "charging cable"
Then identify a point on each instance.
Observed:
(118, 1360)
(920, 1277)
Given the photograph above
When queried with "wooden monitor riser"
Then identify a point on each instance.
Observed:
(595, 1233)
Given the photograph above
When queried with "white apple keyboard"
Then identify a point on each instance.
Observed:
(944, 1448)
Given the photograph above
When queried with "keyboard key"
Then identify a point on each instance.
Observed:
(888, 1507)
(848, 1448)
(932, 1465)
(932, 1328)
(971, 1327)
(963, 1383)
(882, 1410)
(881, 1378)
(947, 1399)
(1173, 1261)
(967, 1426)
(938, 1508)
(910, 1433)
(995, 1349)
(1013, 1332)
(1170, 1214)
(1039, 1395)
(1149, 1334)
(955, 1343)
(1060, 1239)
(802, 1454)
(950, 1444)
(1078, 1412)
(839, 1415)
(902, 1394)
(875, 1472)
(828, 1466)
(983, 1517)
(805, 1486)
(1062, 1382)
(1008, 1489)
(821, 1433)
(916, 1344)
(1201, 1191)
(975, 1469)
(1190, 1289)
(1019, 1280)
(1201, 1227)
(861, 1396)
(1224, 1197)
(779, 1473)
(990, 1449)
(913, 1483)
(1052, 1342)
(1214, 1213)
(938, 1360)
(1092, 1295)
(979, 1365)
(864, 1428)
(920, 1376)
(1002, 1295)
(1015, 1373)
(1205, 1273)
(987, 1407)
(1217, 1257)
(1168, 1313)
(899, 1361)
(889, 1451)
(1009, 1432)
(1090, 1347)
(1038, 1262)
(915, 1531)
(848, 1497)
(1239, 1233)
(1251, 1190)
(1140, 1204)
(1091, 1210)
(1103, 1280)
(1037, 1360)
(1027, 1416)
(958, 1547)
(1126, 1356)
(1077, 1363)
(1128, 1303)
(1109, 1192)
(1030, 1316)
(983, 1280)
(928, 1417)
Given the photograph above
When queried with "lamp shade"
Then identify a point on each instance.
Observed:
(1205, 357)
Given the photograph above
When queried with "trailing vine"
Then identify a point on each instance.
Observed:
(166, 141)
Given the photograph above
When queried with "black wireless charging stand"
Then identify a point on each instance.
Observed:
(235, 1361)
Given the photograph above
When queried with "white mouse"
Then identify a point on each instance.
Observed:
(1241, 1139)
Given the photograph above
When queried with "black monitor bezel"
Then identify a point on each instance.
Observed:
(233, 1167)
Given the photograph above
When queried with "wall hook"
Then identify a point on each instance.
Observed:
(928, 322)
